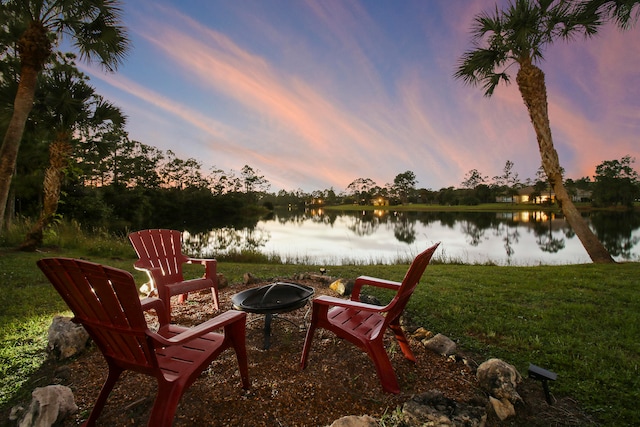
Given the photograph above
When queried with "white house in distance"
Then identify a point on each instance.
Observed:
(525, 195)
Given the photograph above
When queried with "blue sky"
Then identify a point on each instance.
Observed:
(315, 94)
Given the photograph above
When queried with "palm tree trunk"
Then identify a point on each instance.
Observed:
(11, 143)
(59, 153)
(533, 89)
(34, 47)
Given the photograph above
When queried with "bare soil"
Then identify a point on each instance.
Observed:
(340, 380)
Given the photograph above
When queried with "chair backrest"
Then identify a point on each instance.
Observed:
(409, 283)
(160, 248)
(106, 302)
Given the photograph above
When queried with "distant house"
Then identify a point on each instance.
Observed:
(582, 195)
(545, 196)
(527, 195)
(380, 201)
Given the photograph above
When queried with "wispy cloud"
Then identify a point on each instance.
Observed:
(333, 93)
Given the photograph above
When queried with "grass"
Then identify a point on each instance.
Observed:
(580, 321)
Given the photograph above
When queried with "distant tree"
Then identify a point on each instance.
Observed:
(484, 194)
(221, 182)
(253, 181)
(360, 188)
(447, 197)
(179, 173)
(583, 183)
(518, 35)
(34, 27)
(131, 163)
(473, 178)
(404, 185)
(616, 183)
(330, 196)
(509, 177)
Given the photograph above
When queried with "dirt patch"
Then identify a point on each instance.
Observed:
(339, 380)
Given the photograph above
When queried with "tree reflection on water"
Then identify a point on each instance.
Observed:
(523, 234)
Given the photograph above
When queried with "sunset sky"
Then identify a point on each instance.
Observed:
(315, 94)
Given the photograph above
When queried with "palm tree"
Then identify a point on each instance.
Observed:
(70, 107)
(518, 35)
(34, 27)
(620, 11)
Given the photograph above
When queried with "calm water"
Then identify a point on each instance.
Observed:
(513, 238)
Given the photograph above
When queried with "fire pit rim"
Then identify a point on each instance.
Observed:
(294, 301)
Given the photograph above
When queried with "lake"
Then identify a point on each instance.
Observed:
(521, 238)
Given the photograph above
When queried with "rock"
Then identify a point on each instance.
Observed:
(250, 279)
(434, 409)
(499, 379)
(49, 405)
(66, 338)
(422, 333)
(440, 344)
(503, 408)
(222, 281)
(355, 421)
(338, 286)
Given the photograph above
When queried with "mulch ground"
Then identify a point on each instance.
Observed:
(340, 380)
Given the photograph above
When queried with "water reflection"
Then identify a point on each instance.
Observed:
(505, 238)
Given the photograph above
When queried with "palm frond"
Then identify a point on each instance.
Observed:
(477, 67)
(625, 13)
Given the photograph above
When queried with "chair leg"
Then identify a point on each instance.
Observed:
(166, 403)
(237, 334)
(112, 378)
(216, 299)
(402, 340)
(307, 344)
(384, 369)
(182, 298)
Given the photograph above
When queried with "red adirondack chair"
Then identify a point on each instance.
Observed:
(365, 324)
(106, 302)
(160, 256)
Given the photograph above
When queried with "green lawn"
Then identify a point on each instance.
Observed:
(581, 321)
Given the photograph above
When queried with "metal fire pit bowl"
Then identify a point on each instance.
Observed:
(279, 297)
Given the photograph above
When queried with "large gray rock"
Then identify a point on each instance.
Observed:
(66, 338)
(500, 379)
(440, 344)
(49, 405)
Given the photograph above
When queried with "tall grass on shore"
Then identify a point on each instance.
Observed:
(581, 321)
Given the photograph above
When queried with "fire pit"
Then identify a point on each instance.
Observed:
(279, 297)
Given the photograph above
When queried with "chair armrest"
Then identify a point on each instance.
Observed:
(333, 301)
(155, 274)
(210, 325)
(371, 281)
(156, 304)
(209, 267)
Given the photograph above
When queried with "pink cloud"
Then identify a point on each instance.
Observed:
(301, 117)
